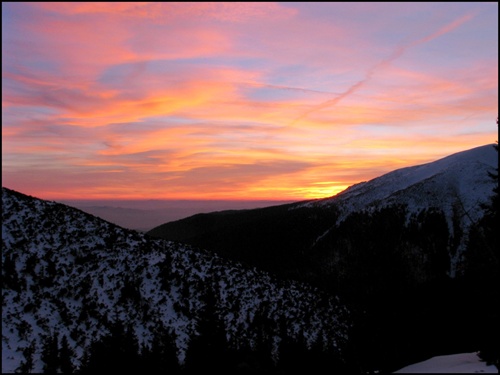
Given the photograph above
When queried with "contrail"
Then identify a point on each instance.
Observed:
(290, 88)
(395, 55)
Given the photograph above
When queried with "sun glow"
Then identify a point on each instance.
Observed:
(324, 189)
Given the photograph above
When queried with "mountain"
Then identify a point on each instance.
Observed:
(406, 250)
(447, 194)
(78, 291)
(463, 176)
(143, 215)
(457, 185)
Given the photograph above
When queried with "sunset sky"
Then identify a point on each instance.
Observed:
(239, 100)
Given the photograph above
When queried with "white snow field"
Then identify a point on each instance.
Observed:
(464, 363)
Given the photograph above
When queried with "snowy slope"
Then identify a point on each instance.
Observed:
(464, 363)
(68, 272)
(457, 185)
(461, 176)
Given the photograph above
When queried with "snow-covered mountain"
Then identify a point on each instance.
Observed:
(460, 178)
(458, 185)
(450, 190)
(70, 273)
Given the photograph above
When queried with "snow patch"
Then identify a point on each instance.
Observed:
(464, 363)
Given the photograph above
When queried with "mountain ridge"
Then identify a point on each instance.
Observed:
(68, 272)
(476, 159)
(458, 184)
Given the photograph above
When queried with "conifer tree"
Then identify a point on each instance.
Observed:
(208, 348)
(65, 356)
(162, 356)
(9, 273)
(293, 355)
(26, 366)
(50, 354)
(490, 345)
(117, 352)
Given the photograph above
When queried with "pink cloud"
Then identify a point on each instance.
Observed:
(72, 8)
(166, 11)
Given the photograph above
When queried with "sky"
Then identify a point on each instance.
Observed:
(239, 100)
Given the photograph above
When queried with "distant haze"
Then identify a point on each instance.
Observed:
(144, 215)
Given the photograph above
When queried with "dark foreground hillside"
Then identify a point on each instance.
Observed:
(81, 294)
(407, 308)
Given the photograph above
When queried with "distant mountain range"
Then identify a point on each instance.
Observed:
(143, 215)
(69, 278)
